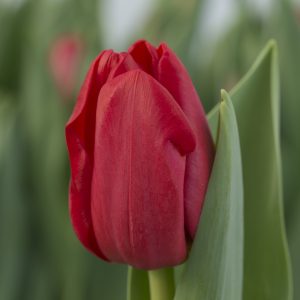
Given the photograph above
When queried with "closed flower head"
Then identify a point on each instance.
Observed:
(141, 154)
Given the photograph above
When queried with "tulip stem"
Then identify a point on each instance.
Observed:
(162, 285)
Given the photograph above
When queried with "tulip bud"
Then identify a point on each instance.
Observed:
(141, 154)
(66, 54)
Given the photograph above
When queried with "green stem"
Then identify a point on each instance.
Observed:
(162, 285)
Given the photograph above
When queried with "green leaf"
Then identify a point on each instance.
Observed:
(294, 243)
(137, 284)
(13, 204)
(215, 266)
(267, 273)
(287, 31)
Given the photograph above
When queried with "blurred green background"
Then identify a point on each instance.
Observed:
(40, 257)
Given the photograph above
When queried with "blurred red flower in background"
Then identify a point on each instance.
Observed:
(66, 55)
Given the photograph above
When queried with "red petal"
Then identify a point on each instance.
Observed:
(141, 139)
(145, 55)
(80, 139)
(173, 76)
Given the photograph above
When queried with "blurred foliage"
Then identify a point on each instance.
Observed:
(40, 258)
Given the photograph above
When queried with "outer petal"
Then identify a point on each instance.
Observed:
(142, 137)
(80, 140)
(173, 76)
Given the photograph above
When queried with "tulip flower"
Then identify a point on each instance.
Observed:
(65, 56)
(141, 155)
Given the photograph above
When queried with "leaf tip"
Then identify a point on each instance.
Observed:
(224, 95)
(272, 45)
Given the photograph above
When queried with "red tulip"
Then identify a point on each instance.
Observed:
(65, 56)
(141, 154)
